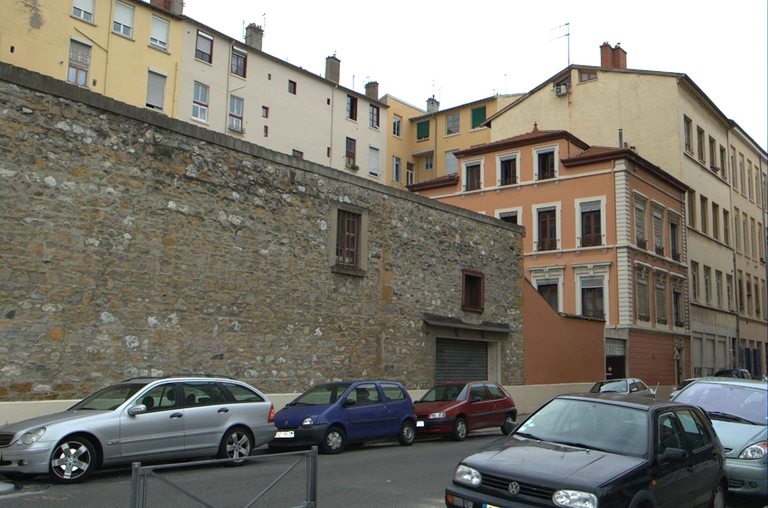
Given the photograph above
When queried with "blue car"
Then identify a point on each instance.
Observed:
(333, 415)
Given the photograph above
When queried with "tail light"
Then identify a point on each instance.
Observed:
(271, 418)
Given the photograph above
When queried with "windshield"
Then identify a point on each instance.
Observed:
(109, 398)
(610, 387)
(445, 393)
(321, 395)
(725, 401)
(589, 424)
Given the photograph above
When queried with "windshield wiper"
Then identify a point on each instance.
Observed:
(529, 436)
(580, 445)
(729, 417)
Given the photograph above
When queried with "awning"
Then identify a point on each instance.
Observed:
(452, 322)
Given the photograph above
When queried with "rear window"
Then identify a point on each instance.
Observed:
(243, 394)
(393, 392)
(496, 392)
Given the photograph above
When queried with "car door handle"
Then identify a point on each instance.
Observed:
(224, 410)
(177, 415)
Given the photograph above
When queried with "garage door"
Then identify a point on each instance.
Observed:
(461, 360)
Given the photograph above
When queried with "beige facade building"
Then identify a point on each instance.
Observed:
(670, 121)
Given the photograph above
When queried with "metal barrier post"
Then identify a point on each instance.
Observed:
(135, 479)
(312, 477)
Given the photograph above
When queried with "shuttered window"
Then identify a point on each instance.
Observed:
(123, 23)
(643, 307)
(640, 238)
(204, 47)
(83, 9)
(155, 90)
(478, 116)
(660, 296)
(373, 161)
(422, 130)
(159, 36)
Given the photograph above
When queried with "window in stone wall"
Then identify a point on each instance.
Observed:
(349, 234)
(472, 291)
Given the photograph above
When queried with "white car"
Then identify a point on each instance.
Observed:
(141, 419)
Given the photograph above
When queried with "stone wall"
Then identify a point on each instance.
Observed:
(133, 244)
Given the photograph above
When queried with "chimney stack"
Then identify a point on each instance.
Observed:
(433, 105)
(172, 6)
(614, 58)
(254, 35)
(332, 68)
(372, 90)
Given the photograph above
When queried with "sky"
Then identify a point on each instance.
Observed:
(419, 48)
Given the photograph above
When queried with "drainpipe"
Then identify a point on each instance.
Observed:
(737, 362)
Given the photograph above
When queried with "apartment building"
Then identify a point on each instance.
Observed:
(234, 87)
(126, 49)
(666, 118)
(604, 241)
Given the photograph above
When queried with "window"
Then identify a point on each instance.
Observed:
(548, 291)
(204, 47)
(298, 154)
(700, 144)
(510, 217)
(592, 297)
(83, 9)
(409, 171)
(79, 63)
(741, 292)
(587, 75)
(733, 168)
(640, 238)
(753, 237)
(546, 164)
(472, 291)
(687, 126)
(695, 280)
(373, 161)
(749, 179)
(660, 298)
(158, 37)
(719, 288)
(547, 229)
(744, 230)
(715, 221)
(236, 106)
(238, 63)
(123, 22)
(266, 131)
(451, 163)
(478, 116)
(200, 102)
(373, 116)
(452, 124)
(591, 224)
(761, 242)
(736, 235)
(397, 124)
(351, 107)
(429, 162)
(292, 87)
(712, 154)
(704, 214)
(741, 173)
(348, 239)
(265, 112)
(707, 276)
(723, 172)
(749, 295)
(658, 231)
(472, 176)
(155, 90)
(677, 308)
(757, 299)
(674, 239)
(729, 291)
(422, 130)
(507, 170)
(396, 169)
(350, 153)
(726, 227)
(643, 304)
(692, 208)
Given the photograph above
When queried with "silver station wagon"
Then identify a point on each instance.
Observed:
(141, 419)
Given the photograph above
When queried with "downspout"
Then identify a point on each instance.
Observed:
(109, 41)
(330, 144)
(765, 254)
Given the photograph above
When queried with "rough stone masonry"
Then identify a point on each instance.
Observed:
(133, 244)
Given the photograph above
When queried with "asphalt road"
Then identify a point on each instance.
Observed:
(384, 475)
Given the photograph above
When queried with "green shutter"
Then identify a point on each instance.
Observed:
(478, 116)
(422, 130)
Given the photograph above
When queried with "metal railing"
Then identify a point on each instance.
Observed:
(140, 475)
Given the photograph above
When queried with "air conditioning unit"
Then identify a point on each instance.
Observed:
(561, 89)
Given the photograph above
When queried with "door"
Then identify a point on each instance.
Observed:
(461, 360)
(368, 417)
(705, 455)
(675, 482)
(206, 415)
(480, 413)
(157, 432)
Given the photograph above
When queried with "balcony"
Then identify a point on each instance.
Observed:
(547, 244)
(641, 243)
(659, 250)
(676, 256)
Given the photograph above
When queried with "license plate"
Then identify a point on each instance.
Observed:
(284, 434)
(419, 424)
(489, 506)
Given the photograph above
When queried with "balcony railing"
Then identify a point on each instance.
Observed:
(659, 249)
(642, 243)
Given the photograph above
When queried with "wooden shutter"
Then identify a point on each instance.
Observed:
(478, 116)
(422, 130)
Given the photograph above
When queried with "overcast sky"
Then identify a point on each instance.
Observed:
(463, 52)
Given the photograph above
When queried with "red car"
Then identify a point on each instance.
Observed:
(457, 407)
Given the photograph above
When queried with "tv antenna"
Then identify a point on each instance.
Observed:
(567, 34)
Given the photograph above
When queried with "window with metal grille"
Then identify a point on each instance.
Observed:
(472, 291)
(204, 47)
(472, 178)
(239, 63)
(508, 171)
(348, 239)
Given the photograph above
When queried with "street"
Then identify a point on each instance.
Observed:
(383, 475)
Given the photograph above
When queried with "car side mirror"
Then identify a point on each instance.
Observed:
(672, 455)
(137, 410)
(349, 402)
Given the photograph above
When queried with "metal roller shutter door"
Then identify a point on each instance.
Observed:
(461, 360)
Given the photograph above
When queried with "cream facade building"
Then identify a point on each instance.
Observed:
(671, 122)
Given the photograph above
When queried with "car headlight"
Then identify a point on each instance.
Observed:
(32, 436)
(467, 475)
(436, 415)
(574, 499)
(308, 422)
(755, 451)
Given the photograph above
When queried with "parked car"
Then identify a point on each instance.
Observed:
(738, 410)
(458, 407)
(682, 385)
(629, 386)
(591, 450)
(739, 373)
(335, 414)
(140, 419)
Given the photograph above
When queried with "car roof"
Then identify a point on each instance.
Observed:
(748, 383)
(180, 377)
(447, 383)
(634, 401)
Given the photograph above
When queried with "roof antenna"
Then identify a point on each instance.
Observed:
(567, 34)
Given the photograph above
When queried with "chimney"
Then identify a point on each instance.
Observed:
(172, 6)
(332, 68)
(253, 35)
(432, 105)
(614, 58)
(372, 90)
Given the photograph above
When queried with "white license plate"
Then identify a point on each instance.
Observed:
(490, 506)
(419, 424)
(284, 434)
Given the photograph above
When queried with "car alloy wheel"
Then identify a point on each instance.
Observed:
(72, 460)
(236, 444)
(460, 429)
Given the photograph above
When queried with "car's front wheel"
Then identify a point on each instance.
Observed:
(407, 434)
(73, 460)
(509, 424)
(460, 429)
(237, 443)
(718, 497)
(335, 441)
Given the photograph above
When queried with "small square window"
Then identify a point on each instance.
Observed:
(472, 291)
(292, 87)
(204, 47)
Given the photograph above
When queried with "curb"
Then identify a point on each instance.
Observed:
(6, 487)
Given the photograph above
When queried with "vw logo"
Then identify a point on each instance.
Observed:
(514, 488)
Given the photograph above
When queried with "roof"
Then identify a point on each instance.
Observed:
(479, 101)
(434, 183)
(534, 136)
